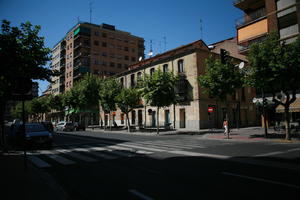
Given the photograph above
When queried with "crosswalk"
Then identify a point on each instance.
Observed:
(106, 151)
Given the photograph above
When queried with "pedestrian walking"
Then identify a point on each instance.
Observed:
(225, 125)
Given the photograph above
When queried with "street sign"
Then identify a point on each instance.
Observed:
(210, 109)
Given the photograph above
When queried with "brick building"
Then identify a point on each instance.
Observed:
(98, 49)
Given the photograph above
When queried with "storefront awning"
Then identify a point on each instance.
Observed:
(294, 107)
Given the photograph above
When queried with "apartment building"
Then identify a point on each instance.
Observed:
(263, 16)
(194, 110)
(98, 49)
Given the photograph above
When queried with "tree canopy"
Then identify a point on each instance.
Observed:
(275, 68)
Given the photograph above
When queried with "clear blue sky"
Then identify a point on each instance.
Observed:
(177, 20)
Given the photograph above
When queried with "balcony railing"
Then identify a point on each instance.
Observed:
(242, 47)
(251, 17)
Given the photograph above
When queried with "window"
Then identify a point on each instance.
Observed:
(180, 66)
(152, 71)
(104, 35)
(122, 82)
(125, 48)
(104, 44)
(104, 54)
(132, 81)
(139, 75)
(97, 33)
(165, 68)
(112, 64)
(133, 59)
(126, 58)
(119, 65)
(96, 43)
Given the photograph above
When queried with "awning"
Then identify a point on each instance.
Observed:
(294, 107)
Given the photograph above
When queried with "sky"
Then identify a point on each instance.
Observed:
(178, 21)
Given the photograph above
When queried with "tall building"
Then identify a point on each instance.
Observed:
(264, 16)
(98, 49)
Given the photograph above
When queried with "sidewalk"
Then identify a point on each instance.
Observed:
(33, 184)
(245, 134)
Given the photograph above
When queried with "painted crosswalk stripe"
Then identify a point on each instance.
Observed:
(163, 144)
(142, 147)
(188, 153)
(77, 155)
(38, 162)
(158, 146)
(60, 159)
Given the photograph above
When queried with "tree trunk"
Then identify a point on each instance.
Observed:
(287, 122)
(128, 123)
(157, 120)
(109, 116)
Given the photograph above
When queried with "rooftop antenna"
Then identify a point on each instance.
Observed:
(165, 43)
(91, 10)
(151, 51)
(201, 30)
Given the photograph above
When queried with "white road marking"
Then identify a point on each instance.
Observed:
(38, 162)
(60, 159)
(262, 180)
(188, 153)
(145, 148)
(140, 195)
(269, 154)
(77, 155)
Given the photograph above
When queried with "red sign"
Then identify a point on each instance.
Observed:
(210, 109)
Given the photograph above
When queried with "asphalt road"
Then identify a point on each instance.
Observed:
(122, 166)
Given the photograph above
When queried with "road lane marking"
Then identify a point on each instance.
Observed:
(269, 154)
(188, 153)
(140, 195)
(38, 162)
(261, 179)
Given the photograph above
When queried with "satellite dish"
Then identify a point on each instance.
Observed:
(241, 65)
(140, 58)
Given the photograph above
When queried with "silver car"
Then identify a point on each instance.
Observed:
(65, 126)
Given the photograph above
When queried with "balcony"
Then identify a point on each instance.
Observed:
(248, 4)
(244, 47)
(251, 17)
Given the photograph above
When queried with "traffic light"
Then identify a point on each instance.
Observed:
(224, 55)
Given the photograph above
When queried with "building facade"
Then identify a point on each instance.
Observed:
(192, 110)
(260, 18)
(98, 49)
(264, 16)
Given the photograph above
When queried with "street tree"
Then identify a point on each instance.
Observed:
(220, 79)
(109, 89)
(159, 90)
(23, 55)
(275, 67)
(55, 102)
(127, 100)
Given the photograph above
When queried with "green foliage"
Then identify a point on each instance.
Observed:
(110, 88)
(275, 67)
(220, 79)
(158, 89)
(128, 99)
(23, 52)
(55, 102)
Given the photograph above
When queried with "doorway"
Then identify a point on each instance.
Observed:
(182, 118)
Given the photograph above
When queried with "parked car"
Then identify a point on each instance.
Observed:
(65, 126)
(35, 134)
(48, 125)
(79, 126)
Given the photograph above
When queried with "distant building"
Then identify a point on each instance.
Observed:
(99, 49)
(192, 110)
(264, 16)
(229, 45)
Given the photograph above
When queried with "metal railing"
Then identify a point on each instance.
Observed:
(260, 13)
